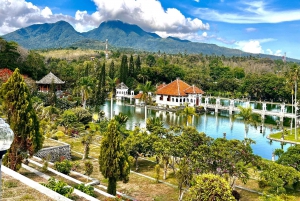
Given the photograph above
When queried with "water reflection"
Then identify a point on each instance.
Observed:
(214, 125)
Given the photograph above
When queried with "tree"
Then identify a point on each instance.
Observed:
(100, 89)
(146, 89)
(227, 158)
(277, 178)
(210, 187)
(113, 159)
(111, 72)
(111, 85)
(137, 65)
(150, 61)
(86, 140)
(131, 67)
(291, 157)
(9, 55)
(137, 144)
(248, 117)
(124, 69)
(21, 117)
(69, 118)
(85, 87)
(184, 176)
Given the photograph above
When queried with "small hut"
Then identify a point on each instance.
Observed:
(45, 83)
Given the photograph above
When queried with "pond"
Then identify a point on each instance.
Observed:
(213, 125)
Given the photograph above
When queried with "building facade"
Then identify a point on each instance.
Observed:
(178, 93)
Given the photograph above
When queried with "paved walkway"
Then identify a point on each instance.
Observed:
(284, 141)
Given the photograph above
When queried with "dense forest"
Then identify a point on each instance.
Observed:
(234, 77)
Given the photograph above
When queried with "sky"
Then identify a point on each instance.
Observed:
(256, 26)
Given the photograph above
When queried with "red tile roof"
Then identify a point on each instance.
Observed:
(178, 88)
(194, 90)
(160, 86)
(138, 96)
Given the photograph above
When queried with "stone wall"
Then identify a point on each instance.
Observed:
(55, 153)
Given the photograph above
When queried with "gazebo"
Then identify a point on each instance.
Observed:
(45, 83)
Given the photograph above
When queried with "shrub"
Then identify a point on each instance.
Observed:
(86, 189)
(88, 167)
(59, 134)
(157, 172)
(63, 166)
(59, 187)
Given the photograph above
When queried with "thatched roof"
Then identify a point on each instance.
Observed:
(49, 79)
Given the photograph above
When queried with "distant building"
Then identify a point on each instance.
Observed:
(44, 84)
(178, 93)
(121, 90)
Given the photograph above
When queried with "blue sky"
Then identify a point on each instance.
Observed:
(257, 26)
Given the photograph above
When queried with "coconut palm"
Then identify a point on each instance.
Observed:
(146, 89)
(248, 117)
(85, 85)
(111, 85)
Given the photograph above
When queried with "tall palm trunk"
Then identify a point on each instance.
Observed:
(111, 107)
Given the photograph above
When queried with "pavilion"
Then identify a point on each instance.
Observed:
(45, 83)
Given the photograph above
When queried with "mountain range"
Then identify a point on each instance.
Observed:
(119, 34)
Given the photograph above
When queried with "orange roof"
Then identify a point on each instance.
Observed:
(178, 88)
(160, 86)
(193, 90)
(138, 96)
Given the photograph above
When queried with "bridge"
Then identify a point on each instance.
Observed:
(231, 105)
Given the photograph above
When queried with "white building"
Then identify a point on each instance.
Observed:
(121, 91)
(178, 93)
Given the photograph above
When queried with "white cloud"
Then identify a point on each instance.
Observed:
(204, 34)
(46, 12)
(148, 14)
(197, 1)
(250, 29)
(15, 14)
(252, 46)
(276, 53)
(249, 12)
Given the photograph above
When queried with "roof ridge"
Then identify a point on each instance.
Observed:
(178, 87)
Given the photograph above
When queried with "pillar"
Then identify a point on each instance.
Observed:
(217, 104)
(231, 106)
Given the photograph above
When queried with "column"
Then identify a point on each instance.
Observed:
(217, 104)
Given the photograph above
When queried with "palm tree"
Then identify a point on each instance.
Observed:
(248, 117)
(111, 85)
(146, 88)
(188, 112)
(293, 79)
(85, 87)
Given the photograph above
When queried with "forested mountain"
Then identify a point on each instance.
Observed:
(41, 36)
(119, 34)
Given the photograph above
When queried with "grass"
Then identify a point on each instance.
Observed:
(69, 54)
(140, 188)
(14, 190)
(288, 135)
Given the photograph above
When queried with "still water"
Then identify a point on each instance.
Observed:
(212, 125)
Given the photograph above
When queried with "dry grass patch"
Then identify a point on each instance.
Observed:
(69, 54)
(14, 190)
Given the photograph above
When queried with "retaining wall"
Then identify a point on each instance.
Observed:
(54, 154)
